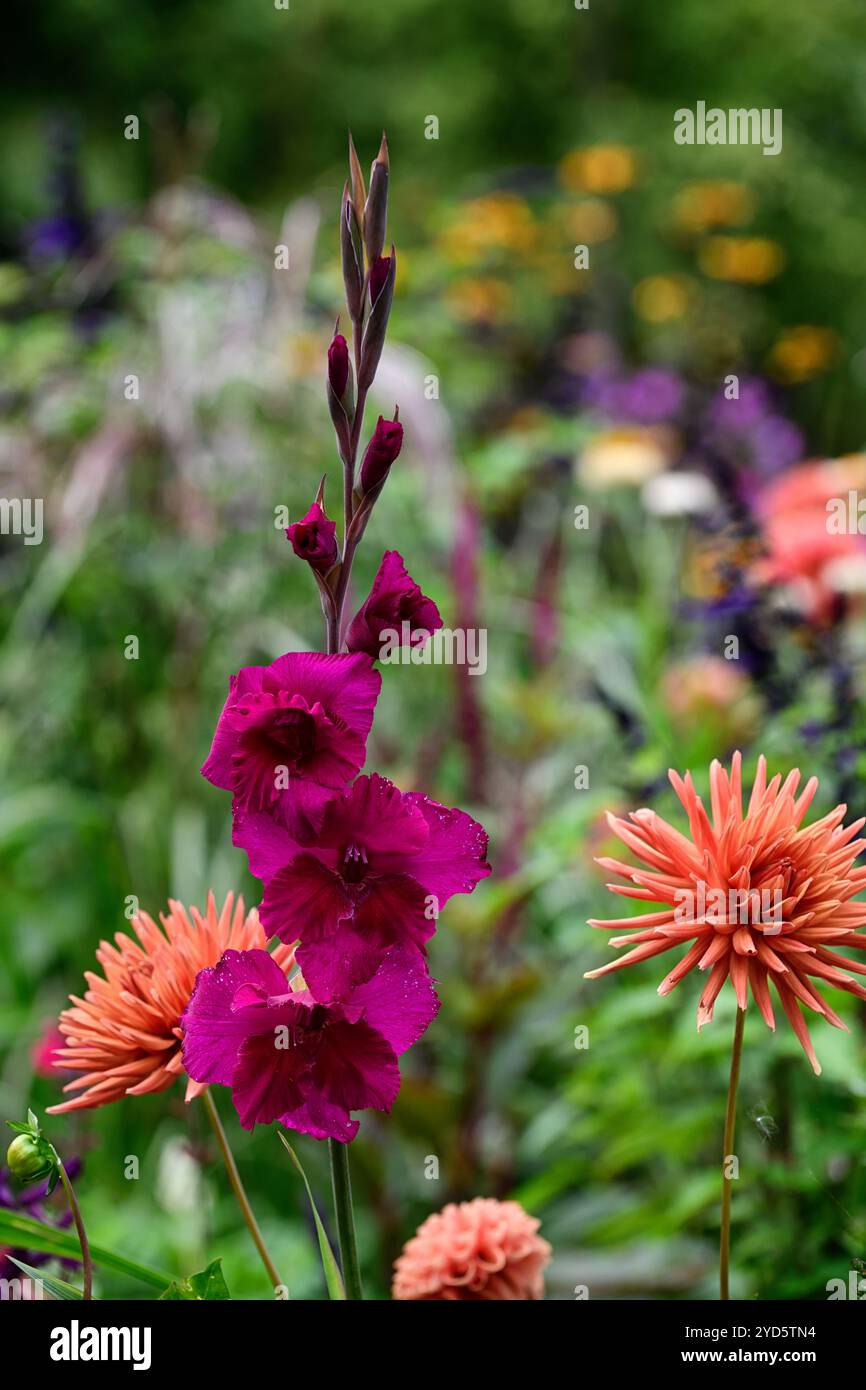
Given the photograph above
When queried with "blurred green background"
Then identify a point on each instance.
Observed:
(156, 257)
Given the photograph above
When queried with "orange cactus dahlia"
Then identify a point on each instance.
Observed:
(124, 1036)
(760, 897)
(474, 1251)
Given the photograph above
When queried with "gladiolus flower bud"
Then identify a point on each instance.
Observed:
(376, 207)
(385, 445)
(378, 275)
(383, 273)
(314, 539)
(338, 365)
(352, 256)
(29, 1159)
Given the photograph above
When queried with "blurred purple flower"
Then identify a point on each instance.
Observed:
(750, 431)
(649, 396)
(28, 1201)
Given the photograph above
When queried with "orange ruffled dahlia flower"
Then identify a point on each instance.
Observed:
(760, 897)
(125, 1035)
(483, 1249)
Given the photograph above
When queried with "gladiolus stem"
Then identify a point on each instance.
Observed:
(86, 1262)
(241, 1197)
(342, 1185)
(727, 1154)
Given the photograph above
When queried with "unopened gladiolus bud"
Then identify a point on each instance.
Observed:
(359, 194)
(338, 365)
(378, 275)
(341, 395)
(376, 206)
(314, 539)
(352, 254)
(383, 272)
(29, 1159)
(385, 445)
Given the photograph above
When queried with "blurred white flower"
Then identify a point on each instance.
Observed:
(679, 494)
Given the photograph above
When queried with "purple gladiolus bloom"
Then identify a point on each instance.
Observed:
(290, 1058)
(374, 876)
(292, 733)
(394, 599)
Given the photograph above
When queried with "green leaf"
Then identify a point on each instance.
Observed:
(333, 1278)
(208, 1286)
(25, 1233)
(58, 1288)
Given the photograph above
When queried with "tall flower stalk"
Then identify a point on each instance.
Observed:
(727, 1154)
(354, 871)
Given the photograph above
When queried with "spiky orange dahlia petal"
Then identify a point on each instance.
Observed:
(124, 1035)
(761, 898)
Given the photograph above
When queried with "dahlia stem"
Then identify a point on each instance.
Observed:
(727, 1154)
(86, 1262)
(241, 1197)
(342, 1185)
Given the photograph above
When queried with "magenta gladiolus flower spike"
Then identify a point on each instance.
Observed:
(375, 875)
(290, 1058)
(394, 600)
(293, 733)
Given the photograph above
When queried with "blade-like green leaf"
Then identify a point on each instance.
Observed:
(22, 1232)
(58, 1288)
(333, 1278)
(208, 1286)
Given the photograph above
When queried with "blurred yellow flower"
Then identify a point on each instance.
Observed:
(623, 457)
(481, 299)
(713, 203)
(599, 169)
(499, 222)
(592, 220)
(745, 260)
(660, 298)
(801, 353)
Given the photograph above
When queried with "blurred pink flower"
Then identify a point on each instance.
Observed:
(42, 1053)
(479, 1250)
(805, 552)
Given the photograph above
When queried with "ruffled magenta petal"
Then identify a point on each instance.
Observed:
(305, 901)
(213, 1028)
(400, 1001)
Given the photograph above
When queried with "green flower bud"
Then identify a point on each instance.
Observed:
(29, 1159)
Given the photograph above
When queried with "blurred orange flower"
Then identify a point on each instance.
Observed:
(713, 203)
(801, 353)
(599, 169)
(744, 260)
